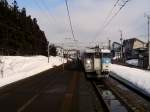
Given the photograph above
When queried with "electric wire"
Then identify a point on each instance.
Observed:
(70, 22)
(116, 13)
(111, 11)
(107, 17)
(113, 16)
(46, 13)
(48, 10)
(44, 16)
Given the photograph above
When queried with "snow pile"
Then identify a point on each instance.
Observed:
(13, 68)
(139, 78)
(132, 62)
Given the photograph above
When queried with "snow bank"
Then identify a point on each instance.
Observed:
(139, 78)
(14, 68)
(132, 62)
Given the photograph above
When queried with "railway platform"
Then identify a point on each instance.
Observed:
(61, 89)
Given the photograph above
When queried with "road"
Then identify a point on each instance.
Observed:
(55, 90)
(48, 91)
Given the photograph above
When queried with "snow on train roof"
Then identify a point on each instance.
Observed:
(90, 50)
(93, 50)
(105, 50)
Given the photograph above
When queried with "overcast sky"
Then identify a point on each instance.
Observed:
(88, 19)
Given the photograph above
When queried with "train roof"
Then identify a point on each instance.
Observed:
(101, 50)
(105, 51)
(90, 51)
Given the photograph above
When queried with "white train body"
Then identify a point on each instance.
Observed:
(88, 61)
(97, 61)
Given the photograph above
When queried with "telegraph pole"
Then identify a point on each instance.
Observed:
(63, 66)
(148, 22)
(121, 39)
(109, 44)
(48, 51)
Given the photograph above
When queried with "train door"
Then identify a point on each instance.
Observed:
(97, 62)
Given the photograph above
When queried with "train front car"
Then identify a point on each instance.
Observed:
(88, 61)
(106, 61)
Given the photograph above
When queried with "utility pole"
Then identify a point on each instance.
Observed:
(121, 39)
(63, 50)
(109, 44)
(48, 51)
(148, 22)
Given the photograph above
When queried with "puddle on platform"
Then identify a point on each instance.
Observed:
(112, 102)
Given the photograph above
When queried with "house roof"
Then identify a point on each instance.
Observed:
(131, 42)
(133, 39)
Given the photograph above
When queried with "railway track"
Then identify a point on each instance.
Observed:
(109, 100)
(116, 97)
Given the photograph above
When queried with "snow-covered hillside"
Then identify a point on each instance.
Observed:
(13, 68)
(139, 78)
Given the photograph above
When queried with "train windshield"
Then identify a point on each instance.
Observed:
(106, 55)
(89, 55)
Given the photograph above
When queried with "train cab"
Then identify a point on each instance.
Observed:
(105, 61)
(88, 61)
(96, 62)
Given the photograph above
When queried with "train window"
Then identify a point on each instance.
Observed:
(89, 55)
(107, 55)
(97, 55)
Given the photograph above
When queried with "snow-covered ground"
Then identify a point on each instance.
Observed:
(132, 62)
(14, 68)
(140, 78)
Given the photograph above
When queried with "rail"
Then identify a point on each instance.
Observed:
(110, 99)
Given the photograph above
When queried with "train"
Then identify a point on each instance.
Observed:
(96, 62)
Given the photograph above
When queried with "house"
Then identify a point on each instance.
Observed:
(116, 50)
(147, 44)
(130, 48)
(143, 58)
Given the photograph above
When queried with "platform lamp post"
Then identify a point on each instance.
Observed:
(148, 34)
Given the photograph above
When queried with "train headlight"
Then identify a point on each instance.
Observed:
(107, 61)
(88, 61)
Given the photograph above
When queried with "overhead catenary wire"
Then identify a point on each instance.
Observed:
(70, 22)
(45, 13)
(48, 10)
(112, 17)
(116, 13)
(111, 11)
(107, 17)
